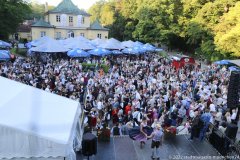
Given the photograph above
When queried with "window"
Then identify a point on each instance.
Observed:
(99, 36)
(58, 35)
(58, 19)
(82, 34)
(82, 20)
(43, 33)
(70, 20)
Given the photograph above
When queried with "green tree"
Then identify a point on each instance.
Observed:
(227, 37)
(96, 9)
(157, 20)
(38, 10)
(117, 29)
(107, 14)
(208, 27)
(12, 13)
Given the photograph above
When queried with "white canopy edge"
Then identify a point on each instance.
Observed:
(237, 62)
(20, 142)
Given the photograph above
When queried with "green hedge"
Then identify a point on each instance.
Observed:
(19, 52)
(87, 67)
(163, 54)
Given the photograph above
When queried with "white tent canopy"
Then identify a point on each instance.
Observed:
(81, 39)
(66, 41)
(236, 61)
(128, 44)
(50, 46)
(113, 40)
(80, 45)
(40, 41)
(112, 44)
(97, 41)
(37, 124)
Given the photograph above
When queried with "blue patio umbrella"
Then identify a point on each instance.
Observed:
(140, 49)
(78, 53)
(116, 52)
(5, 44)
(99, 52)
(4, 55)
(131, 51)
(222, 62)
(158, 49)
(233, 68)
(149, 47)
(137, 43)
(30, 44)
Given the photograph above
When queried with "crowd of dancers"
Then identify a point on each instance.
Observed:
(144, 92)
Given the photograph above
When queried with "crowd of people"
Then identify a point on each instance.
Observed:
(134, 88)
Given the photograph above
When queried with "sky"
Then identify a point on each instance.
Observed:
(82, 4)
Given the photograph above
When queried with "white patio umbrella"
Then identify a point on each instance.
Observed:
(97, 42)
(40, 41)
(50, 46)
(80, 45)
(112, 44)
(128, 44)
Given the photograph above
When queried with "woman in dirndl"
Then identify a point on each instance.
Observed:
(140, 133)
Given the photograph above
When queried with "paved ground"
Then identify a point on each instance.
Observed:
(123, 148)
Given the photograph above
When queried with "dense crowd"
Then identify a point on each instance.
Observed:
(133, 88)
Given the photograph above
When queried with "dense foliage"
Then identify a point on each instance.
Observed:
(12, 12)
(204, 27)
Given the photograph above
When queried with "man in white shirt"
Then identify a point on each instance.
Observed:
(234, 115)
(99, 105)
(212, 108)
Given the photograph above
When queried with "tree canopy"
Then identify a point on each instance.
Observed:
(227, 31)
(209, 27)
(12, 13)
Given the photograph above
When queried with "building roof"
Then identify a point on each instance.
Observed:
(97, 26)
(24, 28)
(67, 7)
(42, 23)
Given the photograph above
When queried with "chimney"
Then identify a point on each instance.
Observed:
(46, 7)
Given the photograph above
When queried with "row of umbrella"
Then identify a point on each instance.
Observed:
(231, 66)
(100, 52)
(5, 55)
(4, 44)
(46, 44)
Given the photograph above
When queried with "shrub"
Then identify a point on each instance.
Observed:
(19, 52)
(92, 67)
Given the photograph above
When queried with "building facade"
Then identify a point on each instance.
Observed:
(65, 21)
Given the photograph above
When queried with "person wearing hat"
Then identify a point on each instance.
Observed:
(157, 138)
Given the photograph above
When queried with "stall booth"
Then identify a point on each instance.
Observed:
(179, 61)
